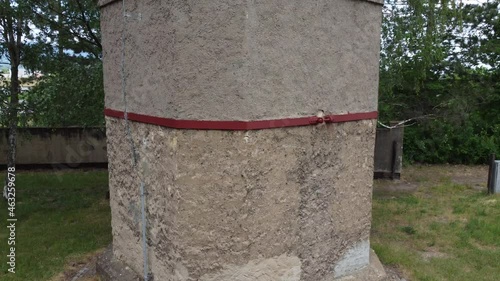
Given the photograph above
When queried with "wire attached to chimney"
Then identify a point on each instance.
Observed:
(142, 191)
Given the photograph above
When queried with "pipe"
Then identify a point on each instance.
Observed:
(144, 243)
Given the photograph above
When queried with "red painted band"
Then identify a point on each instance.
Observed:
(240, 125)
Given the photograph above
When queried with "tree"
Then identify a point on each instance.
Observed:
(414, 45)
(440, 60)
(13, 29)
(61, 39)
(67, 50)
(70, 96)
(67, 29)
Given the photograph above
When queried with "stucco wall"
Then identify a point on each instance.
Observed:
(242, 59)
(291, 204)
(259, 204)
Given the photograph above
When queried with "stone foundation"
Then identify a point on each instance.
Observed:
(291, 204)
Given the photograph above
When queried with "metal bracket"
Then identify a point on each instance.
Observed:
(321, 120)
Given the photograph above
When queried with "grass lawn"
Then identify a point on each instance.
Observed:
(438, 224)
(61, 218)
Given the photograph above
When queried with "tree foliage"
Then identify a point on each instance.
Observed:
(70, 97)
(440, 64)
(66, 49)
(13, 27)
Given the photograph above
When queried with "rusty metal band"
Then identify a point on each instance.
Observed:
(240, 125)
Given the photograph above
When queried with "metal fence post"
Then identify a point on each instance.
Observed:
(490, 174)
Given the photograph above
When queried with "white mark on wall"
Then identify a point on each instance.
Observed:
(282, 268)
(134, 16)
(353, 260)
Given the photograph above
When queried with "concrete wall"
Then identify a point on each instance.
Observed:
(290, 204)
(389, 152)
(45, 146)
(242, 59)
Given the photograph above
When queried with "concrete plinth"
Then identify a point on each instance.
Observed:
(290, 204)
(111, 269)
(294, 203)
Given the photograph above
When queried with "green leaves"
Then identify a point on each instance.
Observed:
(67, 51)
(441, 58)
(73, 96)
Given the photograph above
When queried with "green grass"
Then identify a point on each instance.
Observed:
(61, 217)
(443, 231)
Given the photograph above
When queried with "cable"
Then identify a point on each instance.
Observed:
(132, 146)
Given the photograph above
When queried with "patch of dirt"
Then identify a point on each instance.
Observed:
(80, 270)
(417, 176)
(481, 247)
(473, 176)
(489, 202)
(432, 253)
(394, 274)
(393, 188)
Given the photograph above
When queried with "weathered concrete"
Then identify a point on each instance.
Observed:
(55, 146)
(389, 156)
(373, 272)
(232, 201)
(242, 59)
(291, 204)
(356, 258)
(108, 268)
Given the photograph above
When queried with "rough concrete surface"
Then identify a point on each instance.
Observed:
(222, 201)
(373, 272)
(279, 204)
(242, 59)
(356, 258)
(282, 268)
(109, 268)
